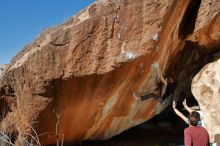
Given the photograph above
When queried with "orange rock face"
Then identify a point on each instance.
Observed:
(87, 69)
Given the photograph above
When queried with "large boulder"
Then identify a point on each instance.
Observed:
(77, 79)
(3, 68)
(208, 9)
(206, 89)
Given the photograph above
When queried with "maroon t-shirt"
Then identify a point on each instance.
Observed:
(196, 136)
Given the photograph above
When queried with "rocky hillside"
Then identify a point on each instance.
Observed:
(77, 79)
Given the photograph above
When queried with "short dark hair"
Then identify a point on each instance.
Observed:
(172, 79)
(194, 118)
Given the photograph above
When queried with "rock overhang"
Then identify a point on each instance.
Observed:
(87, 68)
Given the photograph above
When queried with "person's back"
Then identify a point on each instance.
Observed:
(196, 136)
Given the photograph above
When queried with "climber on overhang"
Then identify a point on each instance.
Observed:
(165, 91)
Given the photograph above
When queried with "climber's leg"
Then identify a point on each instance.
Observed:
(167, 100)
(150, 95)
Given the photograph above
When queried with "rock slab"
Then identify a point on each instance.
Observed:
(206, 89)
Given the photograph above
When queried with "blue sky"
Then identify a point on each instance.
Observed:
(22, 20)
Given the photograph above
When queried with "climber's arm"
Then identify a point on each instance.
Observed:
(162, 79)
(179, 113)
